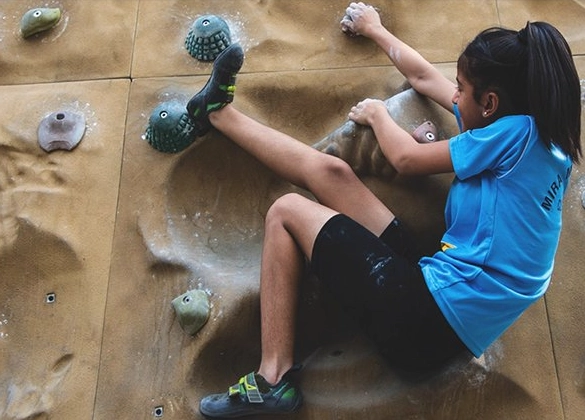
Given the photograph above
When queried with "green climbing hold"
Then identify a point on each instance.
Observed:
(170, 129)
(208, 36)
(192, 309)
(39, 20)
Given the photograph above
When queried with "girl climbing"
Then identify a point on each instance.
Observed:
(517, 102)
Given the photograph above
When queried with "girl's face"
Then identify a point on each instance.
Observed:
(471, 112)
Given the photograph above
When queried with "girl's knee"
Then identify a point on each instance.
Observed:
(334, 170)
(283, 206)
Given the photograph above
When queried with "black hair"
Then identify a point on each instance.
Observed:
(533, 72)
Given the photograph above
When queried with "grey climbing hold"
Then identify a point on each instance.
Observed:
(208, 36)
(61, 130)
(192, 309)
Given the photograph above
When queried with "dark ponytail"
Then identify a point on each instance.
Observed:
(533, 72)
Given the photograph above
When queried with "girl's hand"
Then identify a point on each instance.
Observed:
(360, 19)
(364, 112)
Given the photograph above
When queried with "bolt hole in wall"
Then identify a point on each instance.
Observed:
(158, 411)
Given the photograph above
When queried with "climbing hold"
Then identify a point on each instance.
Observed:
(61, 130)
(345, 26)
(170, 129)
(208, 36)
(425, 133)
(192, 309)
(38, 20)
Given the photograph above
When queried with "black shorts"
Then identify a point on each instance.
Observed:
(378, 280)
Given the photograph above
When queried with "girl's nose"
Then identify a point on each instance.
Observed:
(455, 97)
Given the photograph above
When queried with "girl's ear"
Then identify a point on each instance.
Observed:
(491, 103)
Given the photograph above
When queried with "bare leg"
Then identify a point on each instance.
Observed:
(292, 224)
(330, 179)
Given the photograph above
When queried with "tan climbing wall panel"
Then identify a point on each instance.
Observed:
(303, 35)
(93, 40)
(58, 213)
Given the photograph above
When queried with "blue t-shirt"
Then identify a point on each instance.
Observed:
(503, 218)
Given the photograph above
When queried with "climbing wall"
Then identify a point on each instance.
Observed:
(96, 242)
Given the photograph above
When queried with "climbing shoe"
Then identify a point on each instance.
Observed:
(253, 395)
(219, 89)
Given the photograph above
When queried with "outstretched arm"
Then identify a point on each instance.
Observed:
(364, 20)
(405, 154)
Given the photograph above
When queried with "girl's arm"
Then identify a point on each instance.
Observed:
(422, 75)
(405, 154)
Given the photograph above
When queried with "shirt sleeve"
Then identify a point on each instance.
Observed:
(495, 148)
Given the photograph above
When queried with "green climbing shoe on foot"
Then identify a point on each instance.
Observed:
(219, 89)
(253, 395)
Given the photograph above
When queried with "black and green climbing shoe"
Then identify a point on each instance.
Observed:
(253, 395)
(219, 89)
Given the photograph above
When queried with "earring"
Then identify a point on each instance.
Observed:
(485, 113)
